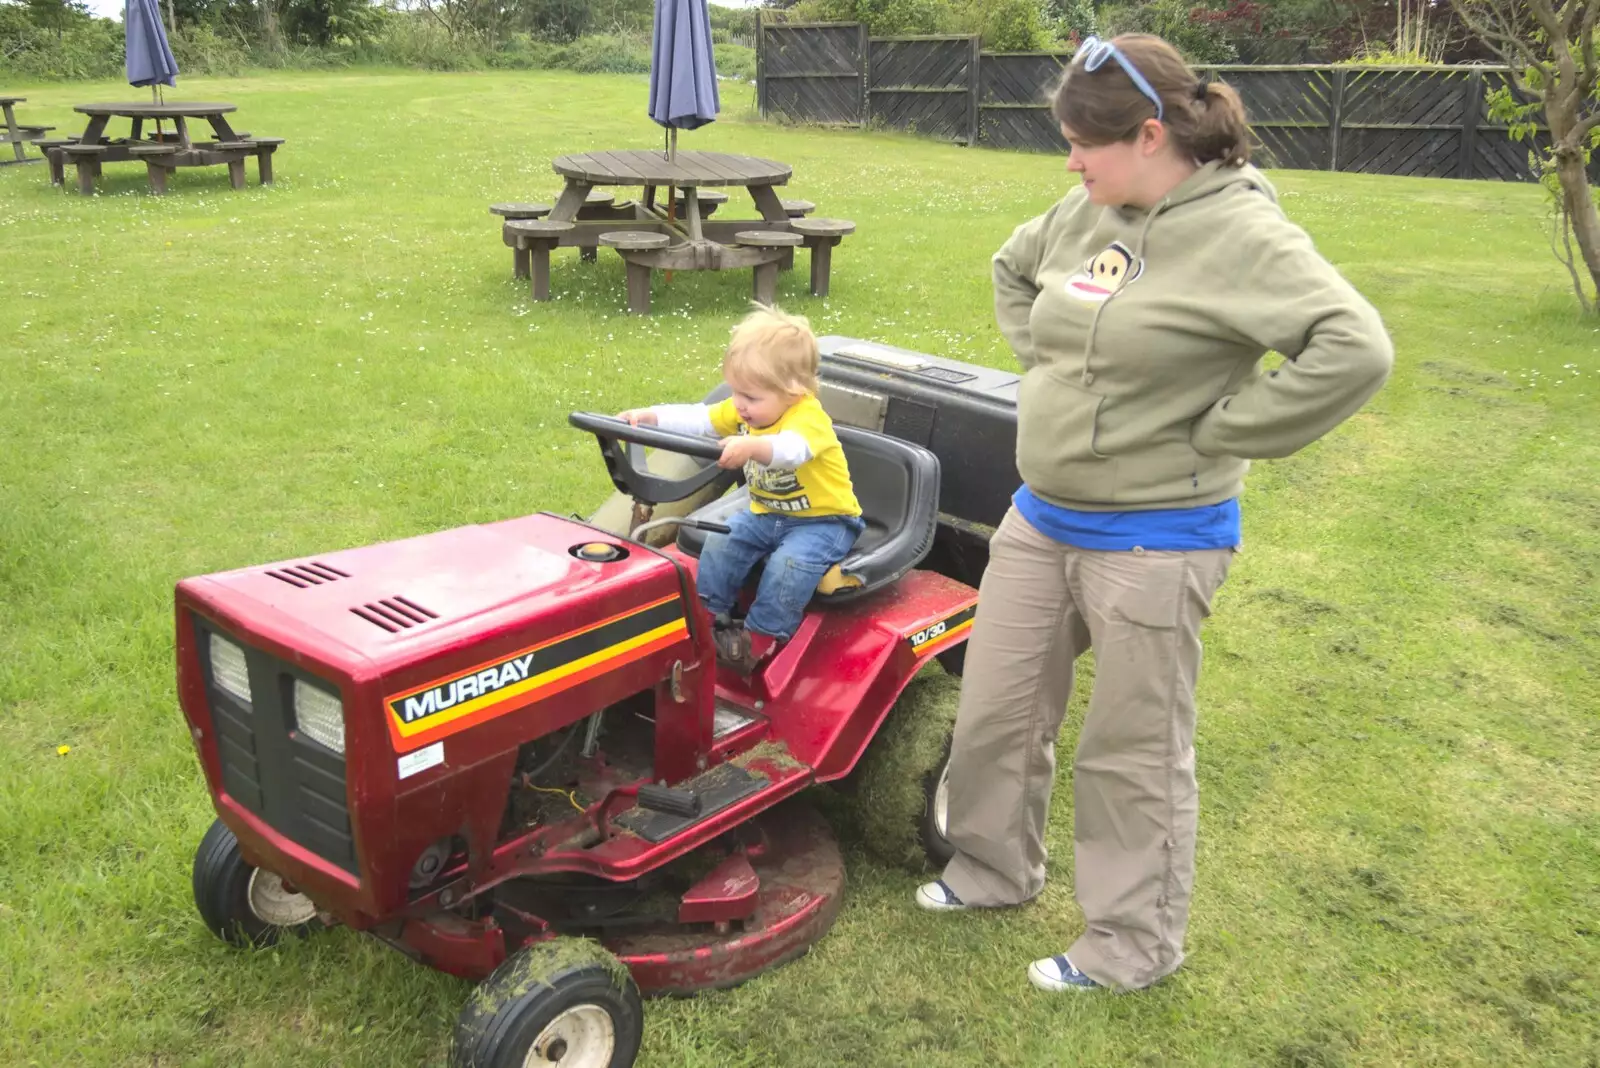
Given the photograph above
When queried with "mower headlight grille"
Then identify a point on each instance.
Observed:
(228, 669)
(319, 715)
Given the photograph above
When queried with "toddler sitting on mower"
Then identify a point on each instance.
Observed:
(803, 515)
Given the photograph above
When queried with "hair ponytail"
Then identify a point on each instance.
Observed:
(1220, 130)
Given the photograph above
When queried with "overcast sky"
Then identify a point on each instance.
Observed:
(112, 9)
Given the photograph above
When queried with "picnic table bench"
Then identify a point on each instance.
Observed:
(675, 234)
(17, 134)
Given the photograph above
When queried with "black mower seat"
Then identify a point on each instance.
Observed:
(897, 484)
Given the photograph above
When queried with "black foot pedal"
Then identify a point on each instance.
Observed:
(714, 790)
(670, 800)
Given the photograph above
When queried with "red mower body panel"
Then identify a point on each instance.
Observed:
(446, 651)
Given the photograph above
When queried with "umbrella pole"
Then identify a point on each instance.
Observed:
(672, 218)
(155, 98)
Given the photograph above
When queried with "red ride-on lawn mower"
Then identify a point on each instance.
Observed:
(507, 750)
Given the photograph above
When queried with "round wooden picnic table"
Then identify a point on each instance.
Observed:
(177, 111)
(649, 167)
(652, 169)
(151, 110)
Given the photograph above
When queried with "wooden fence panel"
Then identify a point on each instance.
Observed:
(1384, 97)
(1030, 129)
(1418, 153)
(1496, 155)
(921, 84)
(1290, 113)
(1013, 100)
(1388, 120)
(812, 73)
(1019, 78)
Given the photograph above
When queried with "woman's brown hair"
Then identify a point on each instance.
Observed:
(1205, 119)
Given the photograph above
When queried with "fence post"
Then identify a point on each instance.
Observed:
(1471, 109)
(972, 92)
(761, 65)
(863, 44)
(1335, 117)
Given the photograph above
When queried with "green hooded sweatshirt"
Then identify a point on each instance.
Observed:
(1142, 334)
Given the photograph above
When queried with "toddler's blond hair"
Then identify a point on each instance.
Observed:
(774, 350)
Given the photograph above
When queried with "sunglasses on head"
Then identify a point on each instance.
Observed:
(1094, 52)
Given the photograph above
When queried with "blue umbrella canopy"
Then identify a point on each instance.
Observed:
(150, 61)
(683, 74)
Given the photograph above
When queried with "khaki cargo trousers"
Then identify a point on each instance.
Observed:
(1135, 800)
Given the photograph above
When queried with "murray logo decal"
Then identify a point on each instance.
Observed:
(481, 684)
(423, 714)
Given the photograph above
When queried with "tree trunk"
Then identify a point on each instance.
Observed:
(1563, 111)
(269, 25)
(1581, 211)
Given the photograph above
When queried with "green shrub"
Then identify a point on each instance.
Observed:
(81, 48)
(412, 41)
(1004, 25)
(1382, 56)
(201, 50)
(605, 54)
(735, 61)
(883, 18)
(1199, 41)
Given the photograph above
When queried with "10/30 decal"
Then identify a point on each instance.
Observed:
(946, 630)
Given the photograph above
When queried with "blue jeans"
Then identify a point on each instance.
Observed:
(798, 552)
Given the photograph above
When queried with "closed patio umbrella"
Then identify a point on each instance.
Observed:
(149, 56)
(683, 74)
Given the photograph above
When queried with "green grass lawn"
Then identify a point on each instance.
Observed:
(1398, 749)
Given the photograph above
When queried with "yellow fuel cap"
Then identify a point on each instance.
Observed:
(598, 552)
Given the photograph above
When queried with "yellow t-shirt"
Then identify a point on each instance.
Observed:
(818, 487)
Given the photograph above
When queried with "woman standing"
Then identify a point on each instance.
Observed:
(1140, 307)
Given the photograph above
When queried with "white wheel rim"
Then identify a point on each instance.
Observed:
(941, 802)
(275, 904)
(581, 1037)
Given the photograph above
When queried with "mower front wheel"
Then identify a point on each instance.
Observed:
(242, 904)
(566, 1002)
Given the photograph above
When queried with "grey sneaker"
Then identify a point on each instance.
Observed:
(938, 897)
(1057, 973)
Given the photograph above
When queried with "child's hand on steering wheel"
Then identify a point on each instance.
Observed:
(638, 417)
(736, 452)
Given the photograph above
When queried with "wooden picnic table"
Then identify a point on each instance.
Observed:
(650, 237)
(161, 151)
(685, 170)
(101, 114)
(18, 134)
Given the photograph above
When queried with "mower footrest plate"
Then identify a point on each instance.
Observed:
(717, 789)
(730, 718)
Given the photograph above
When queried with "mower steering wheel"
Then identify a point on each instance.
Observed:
(622, 445)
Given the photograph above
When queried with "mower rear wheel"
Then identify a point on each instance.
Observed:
(242, 904)
(564, 1002)
(903, 780)
(934, 831)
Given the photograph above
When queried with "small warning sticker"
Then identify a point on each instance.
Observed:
(429, 756)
